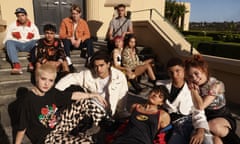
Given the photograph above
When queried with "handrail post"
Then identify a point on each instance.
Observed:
(191, 50)
(150, 14)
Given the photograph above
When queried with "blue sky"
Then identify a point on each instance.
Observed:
(214, 10)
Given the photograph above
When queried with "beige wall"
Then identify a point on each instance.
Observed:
(187, 16)
(8, 8)
(96, 10)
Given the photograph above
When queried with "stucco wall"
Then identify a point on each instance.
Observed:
(96, 10)
(8, 8)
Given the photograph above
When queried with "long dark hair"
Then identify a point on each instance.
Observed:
(163, 90)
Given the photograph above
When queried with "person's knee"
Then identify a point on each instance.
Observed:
(9, 44)
(217, 128)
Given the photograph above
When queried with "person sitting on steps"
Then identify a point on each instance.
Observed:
(117, 63)
(21, 36)
(75, 34)
(50, 50)
(132, 61)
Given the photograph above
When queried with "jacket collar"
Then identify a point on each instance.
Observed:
(28, 23)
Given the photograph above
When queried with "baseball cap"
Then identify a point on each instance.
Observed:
(20, 10)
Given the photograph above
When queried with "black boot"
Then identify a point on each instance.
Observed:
(153, 82)
(231, 138)
(72, 68)
(135, 85)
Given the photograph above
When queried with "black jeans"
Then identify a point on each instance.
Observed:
(88, 43)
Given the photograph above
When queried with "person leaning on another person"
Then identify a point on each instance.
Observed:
(209, 94)
(189, 122)
(21, 36)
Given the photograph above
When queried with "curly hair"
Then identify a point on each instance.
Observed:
(197, 61)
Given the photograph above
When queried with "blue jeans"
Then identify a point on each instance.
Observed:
(13, 47)
(183, 130)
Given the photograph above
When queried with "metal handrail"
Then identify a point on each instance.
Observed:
(158, 13)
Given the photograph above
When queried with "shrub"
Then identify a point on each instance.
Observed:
(220, 49)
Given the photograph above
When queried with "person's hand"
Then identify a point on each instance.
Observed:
(54, 63)
(193, 87)
(101, 99)
(198, 137)
(77, 43)
(36, 91)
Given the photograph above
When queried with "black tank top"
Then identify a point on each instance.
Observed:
(141, 129)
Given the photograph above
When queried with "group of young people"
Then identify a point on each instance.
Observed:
(23, 35)
(192, 101)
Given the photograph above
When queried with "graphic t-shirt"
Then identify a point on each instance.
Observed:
(39, 114)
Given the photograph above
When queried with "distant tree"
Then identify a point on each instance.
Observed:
(174, 12)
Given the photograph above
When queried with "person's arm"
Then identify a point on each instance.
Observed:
(110, 31)
(63, 30)
(164, 119)
(19, 137)
(200, 125)
(199, 102)
(61, 52)
(86, 33)
(129, 31)
(36, 32)
(198, 136)
(115, 61)
(83, 95)
(70, 79)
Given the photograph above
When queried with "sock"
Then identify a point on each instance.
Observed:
(68, 60)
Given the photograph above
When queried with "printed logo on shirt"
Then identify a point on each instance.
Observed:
(141, 117)
(48, 116)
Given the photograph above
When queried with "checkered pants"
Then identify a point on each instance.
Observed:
(71, 118)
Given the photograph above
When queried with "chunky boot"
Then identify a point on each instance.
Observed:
(135, 85)
(231, 138)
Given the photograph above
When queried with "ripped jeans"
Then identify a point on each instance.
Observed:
(183, 130)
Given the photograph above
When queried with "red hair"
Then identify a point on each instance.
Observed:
(197, 61)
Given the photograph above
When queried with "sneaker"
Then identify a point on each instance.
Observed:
(30, 67)
(17, 70)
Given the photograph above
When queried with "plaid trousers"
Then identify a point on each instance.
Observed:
(71, 118)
